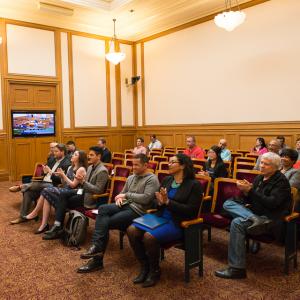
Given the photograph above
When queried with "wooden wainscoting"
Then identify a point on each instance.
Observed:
(238, 135)
(4, 158)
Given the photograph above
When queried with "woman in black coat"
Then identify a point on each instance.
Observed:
(214, 167)
(179, 199)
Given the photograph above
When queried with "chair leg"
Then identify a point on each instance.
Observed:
(121, 239)
(290, 252)
(209, 234)
(162, 254)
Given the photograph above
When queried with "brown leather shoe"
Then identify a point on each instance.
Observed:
(18, 221)
(15, 188)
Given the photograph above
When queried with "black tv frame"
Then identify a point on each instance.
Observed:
(32, 112)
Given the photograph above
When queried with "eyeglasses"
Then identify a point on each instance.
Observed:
(173, 162)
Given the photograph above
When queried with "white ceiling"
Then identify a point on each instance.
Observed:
(95, 16)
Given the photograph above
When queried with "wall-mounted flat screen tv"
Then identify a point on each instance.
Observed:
(33, 123)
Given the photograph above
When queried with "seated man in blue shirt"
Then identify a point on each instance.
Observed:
(225, 153)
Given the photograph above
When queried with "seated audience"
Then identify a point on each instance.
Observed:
(298, 148)
(192, 150)
(51, 194)
(94, 182)
(31, 191)
(269, 199)
(106, 157)
(225, 153)
(273, 146)
(214, 167)
(288, 159)
(179, 199)
(71, 148)
(136, 197)
(51, 158)
(155, 143)
(140, 148)
(281, 140)
(260, 147)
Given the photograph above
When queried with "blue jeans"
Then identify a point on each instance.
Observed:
(238, 231)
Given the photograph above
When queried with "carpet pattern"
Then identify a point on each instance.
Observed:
(35, 269)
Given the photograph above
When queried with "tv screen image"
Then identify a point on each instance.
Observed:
(33, 123)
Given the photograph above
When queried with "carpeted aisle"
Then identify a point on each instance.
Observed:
(35, 269)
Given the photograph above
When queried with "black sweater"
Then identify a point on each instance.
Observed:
(187, 200)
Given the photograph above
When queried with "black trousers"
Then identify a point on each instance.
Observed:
(67, 199)
(111, 216)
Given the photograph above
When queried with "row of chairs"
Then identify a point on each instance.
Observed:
(210, 215)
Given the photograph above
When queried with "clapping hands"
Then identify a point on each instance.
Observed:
(162, 197)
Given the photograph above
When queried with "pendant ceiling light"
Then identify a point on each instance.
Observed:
(113, 56)
(230, 19)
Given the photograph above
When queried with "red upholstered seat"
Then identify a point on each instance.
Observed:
(122, 171)
(248, 175)
(215, 220)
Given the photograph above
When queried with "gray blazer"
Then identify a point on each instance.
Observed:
(95, 184)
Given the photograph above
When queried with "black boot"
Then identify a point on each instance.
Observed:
(259, 226)
(143, 273)
(152, 278)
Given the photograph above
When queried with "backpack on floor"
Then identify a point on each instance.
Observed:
(76, 229)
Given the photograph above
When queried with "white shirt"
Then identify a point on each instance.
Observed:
(47, 178)
(156, 145)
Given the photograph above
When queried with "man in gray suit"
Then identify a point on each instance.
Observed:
(94, 182)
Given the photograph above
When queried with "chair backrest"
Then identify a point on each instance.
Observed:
(167, 148)
(180, 149)
(129, 162)
(224, 189)
(245, 159)
(199, 161)
(128, 151)
(161, 174)
(38, 170)
(109, 167)
(157, 150)
(117, 161)
(205, 182)
(249, 175)
(117, 185)
(129, 156)
(122, 171)
(163, 165)
(227, 164)
(197, 168)
(118, 154)
(295, 198)
(234, 155)
(243, 166)
(160, 158)
(168, 154)
(243, 152)
(153, 165)
(253, 155)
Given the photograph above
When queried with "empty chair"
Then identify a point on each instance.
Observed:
(160, 158)
(243, 152)
(180, 149)
(117, 161)
(169, 154)
(122, 171)
(118, 154)
(164, 165)
(129, 156)
(248, 175)
(38, 174)
(129, 162)
(153, 165)
(161, 174)
(253, 155)
(245, 159)
(128, 151)
(109, 167)
(199, 161)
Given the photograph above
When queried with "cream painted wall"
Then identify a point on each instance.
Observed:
(139, 96)
(126, 91)
(89, 73)
(204, 74)
(65, 79)
(30, 51)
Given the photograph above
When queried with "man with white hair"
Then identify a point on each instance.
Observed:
(269, 199)
(225, 153)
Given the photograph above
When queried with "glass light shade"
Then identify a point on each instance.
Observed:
(115, 57)
(229, 20)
